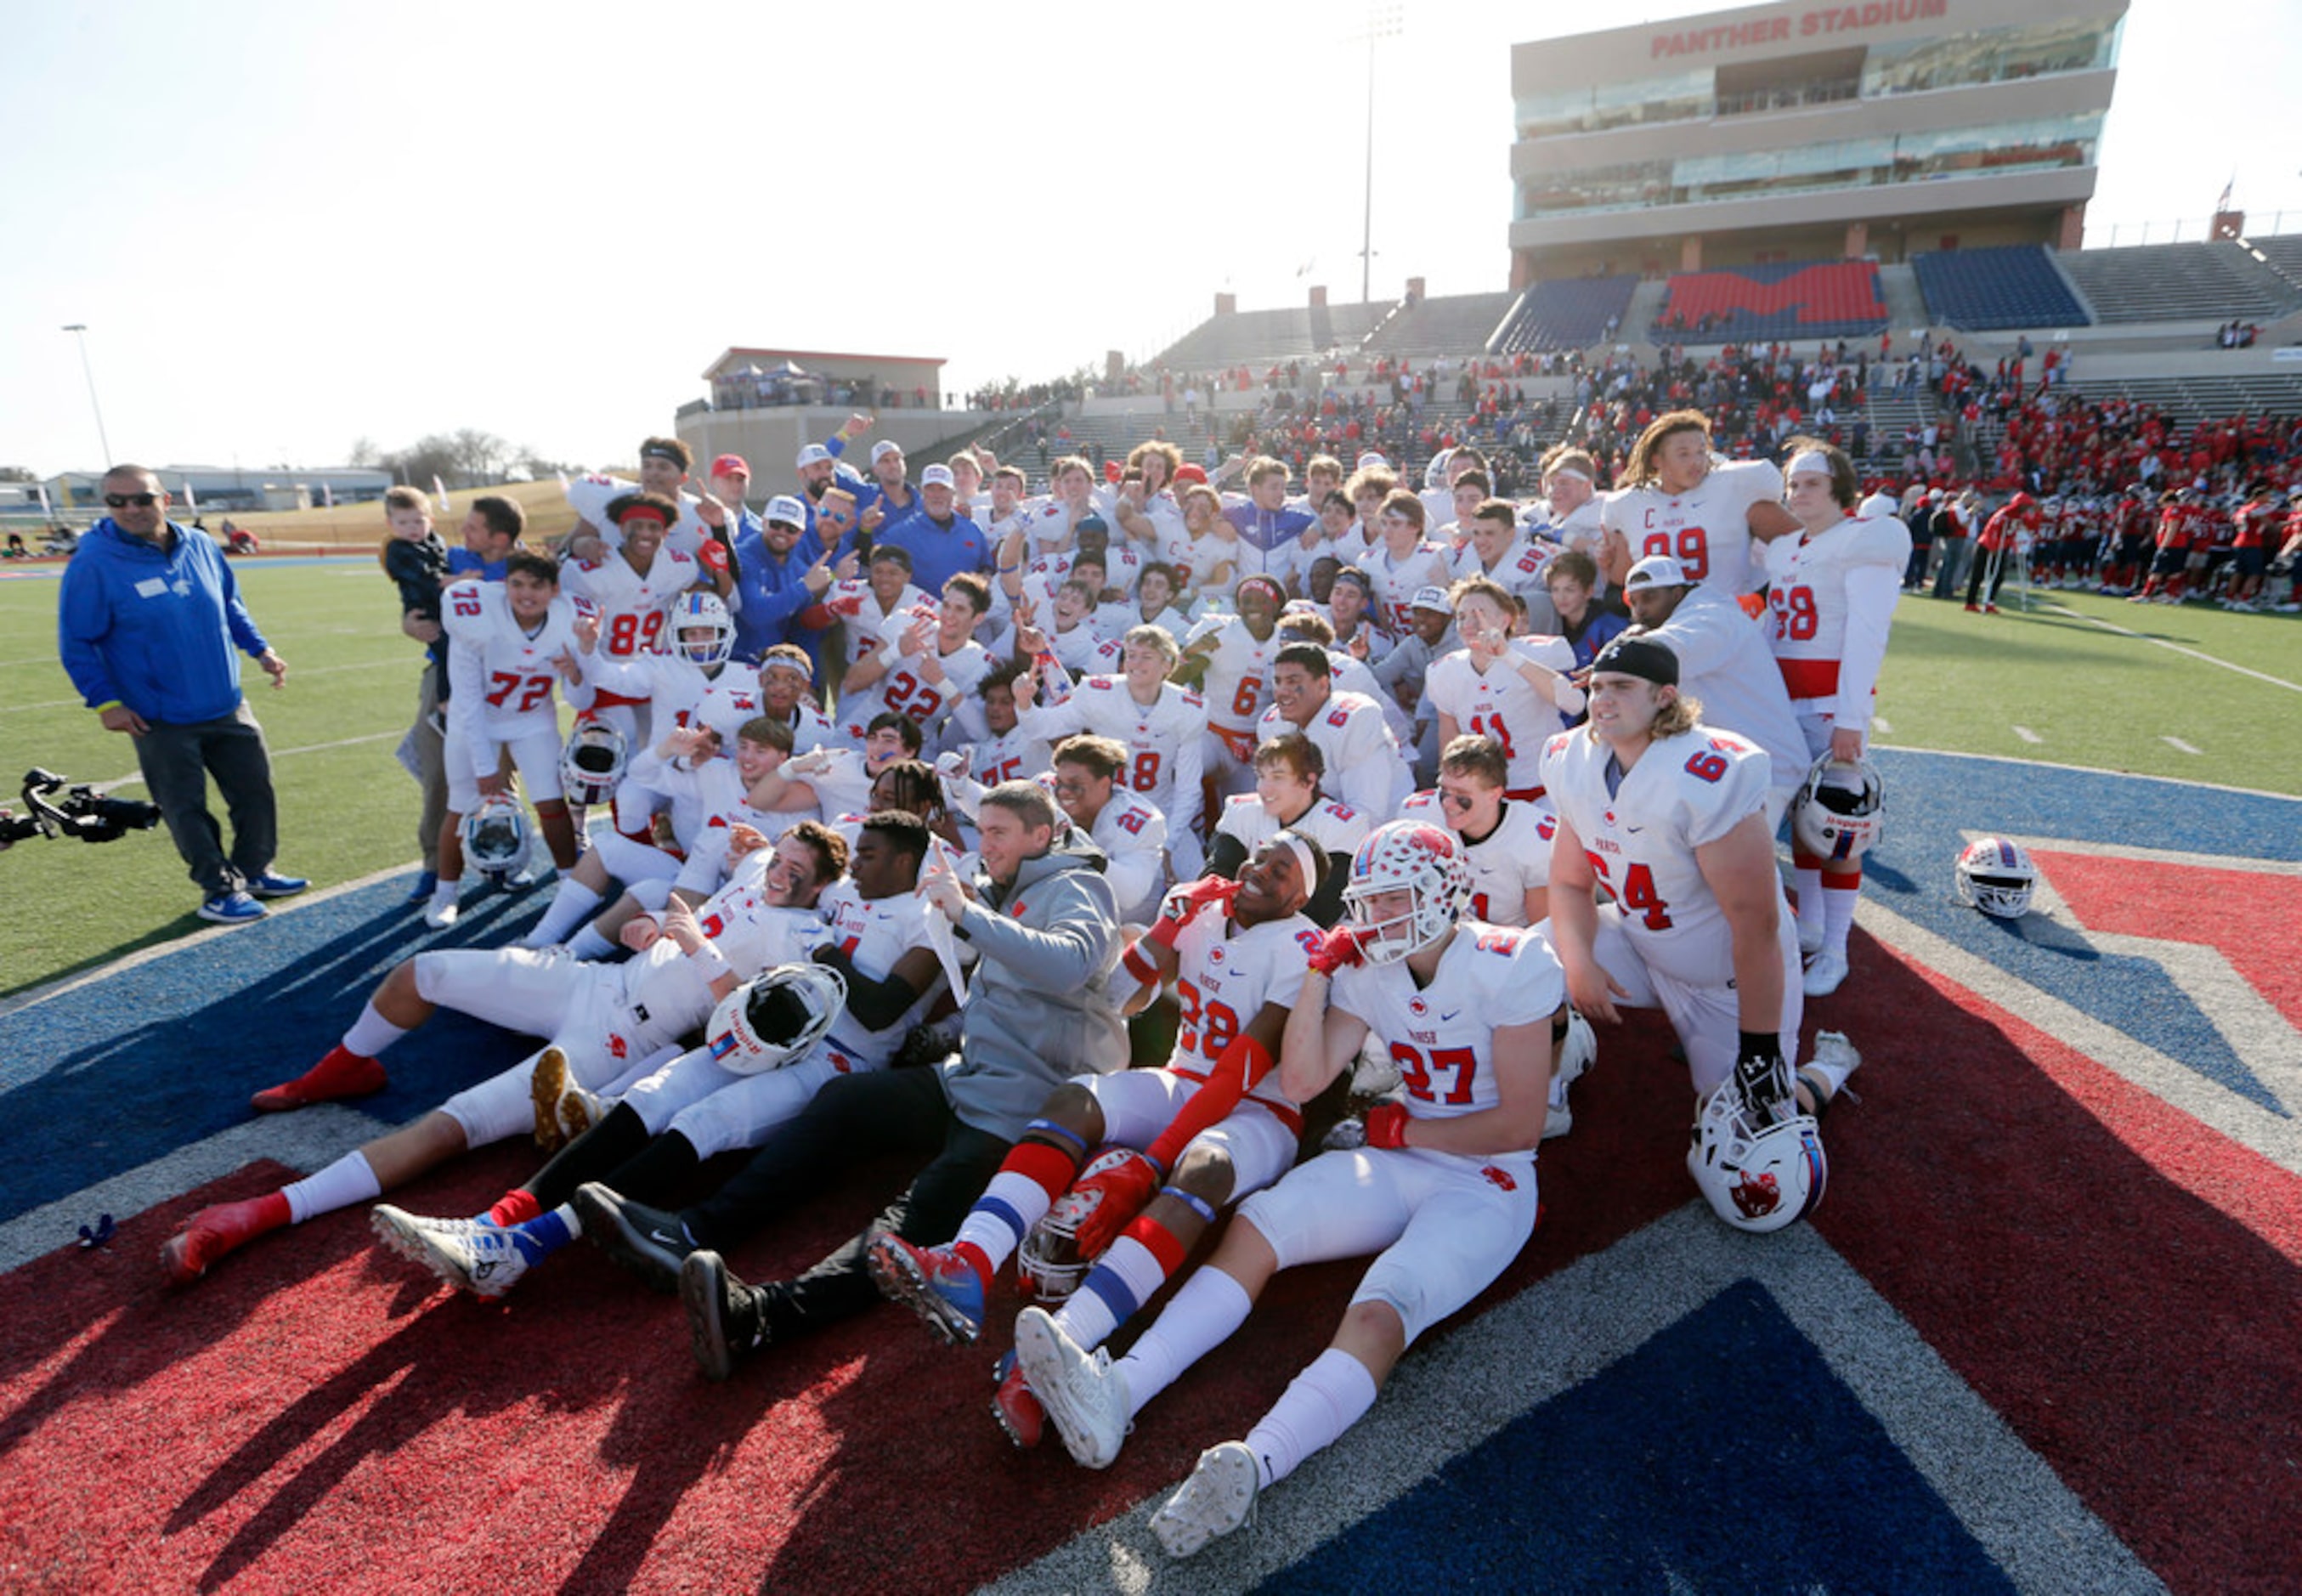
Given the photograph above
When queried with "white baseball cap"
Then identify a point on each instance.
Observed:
(787, 509)
(1657, 570)
(883, 449)
(812, 454)
(937, 475)
(1430, 597)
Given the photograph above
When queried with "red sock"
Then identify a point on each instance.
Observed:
(515, 1206)
(976, 1258)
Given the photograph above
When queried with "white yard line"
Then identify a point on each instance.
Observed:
(2028, 735)
(2177, 745)
(2177, 648)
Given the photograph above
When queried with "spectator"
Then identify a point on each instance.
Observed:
(149, 619)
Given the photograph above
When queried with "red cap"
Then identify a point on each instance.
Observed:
(730, 466)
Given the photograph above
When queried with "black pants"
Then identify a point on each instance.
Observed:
(1983, 561)
(177, 760)
(855, 1116)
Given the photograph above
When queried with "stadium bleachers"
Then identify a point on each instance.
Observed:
(1567, 313)
(1984, 290)
(2284, 255)
(1257, 339)
(2177, 282)
(1454, 324)
(1790, 301)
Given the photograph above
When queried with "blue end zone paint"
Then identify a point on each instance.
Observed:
(1931, 798)
(1723, 1455)
(121, 1071)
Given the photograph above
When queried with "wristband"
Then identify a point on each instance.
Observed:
(1138, 965)
(711, 963)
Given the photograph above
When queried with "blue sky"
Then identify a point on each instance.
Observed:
(291, 226)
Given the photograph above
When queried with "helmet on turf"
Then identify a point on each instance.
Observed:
(1411, 856)
(1757, 1176)
(592, 763)
(1997, 877)
(1839, 813)
(1049, 1257)
(696, 608)
(496, 835)
(775, 1019)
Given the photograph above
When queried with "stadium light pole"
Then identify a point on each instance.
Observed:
(79, 330)
(1383, 22)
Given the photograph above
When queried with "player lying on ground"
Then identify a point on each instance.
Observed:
(754, 1072)
(1444, 1190)
(606, 1021)
(1198, 1134)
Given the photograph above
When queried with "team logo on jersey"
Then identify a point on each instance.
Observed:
(1214, 955)
(1500, 1177)
(1417, 1007)
(616, 1046)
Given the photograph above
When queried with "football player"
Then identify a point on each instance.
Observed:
(928, 667)
(631, 589)
(1370, 774)
(1229, 659)
(1443, 1192)
(607, 1022)
(1131, 833)
(1403, 561)
(1163, 728)
(1515, 689)
(875, 936)
(876, 610)
(1833, 599)
(1287, 797)
(1707, 513)
(1200, 1133)
(664, 465)
(1506, 839)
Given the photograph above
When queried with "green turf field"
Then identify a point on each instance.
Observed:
(1953, 681)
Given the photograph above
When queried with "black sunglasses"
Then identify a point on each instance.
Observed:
(121, 502)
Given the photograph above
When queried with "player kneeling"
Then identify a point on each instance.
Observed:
(1444, 1191)
(1214, 1116)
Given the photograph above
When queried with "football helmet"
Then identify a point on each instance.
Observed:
(1756, 1179)
(1049, 1257)
(592, 763)
(697, 608)
(776, 1018)
(1839, 814)
(1997, 877)
(1415, 857)
(496, 837)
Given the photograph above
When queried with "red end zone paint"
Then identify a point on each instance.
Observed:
(2120, 1282)
(2235, 913)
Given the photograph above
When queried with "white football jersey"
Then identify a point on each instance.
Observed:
(1398, 580)
(748, 932)
(1441, 1036)
(1707, 530)
(503, 677)
(1015, 756)
(1506, 864)
(1829, 604)
(867, 628)
(1330, 827)
(1238, 680)
(1503, 704)
(1685, 792)
(906, 690)
(632, 610)
(844, 785)
(1519, 570)
(876, 933)
(1363, 765)
(1165, 739)
(683, 695)
(1223, 977)
(1133, 837)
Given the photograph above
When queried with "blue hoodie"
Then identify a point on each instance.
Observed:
(154, 631)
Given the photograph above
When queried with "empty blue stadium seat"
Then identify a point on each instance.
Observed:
(1983, 291)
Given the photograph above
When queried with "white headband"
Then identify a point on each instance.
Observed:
(1574, 471)
(1813, 460)
(1302, 857)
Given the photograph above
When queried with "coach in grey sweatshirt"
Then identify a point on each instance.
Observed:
(1038, 1011)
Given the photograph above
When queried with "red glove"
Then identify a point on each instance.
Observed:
(1183, 905)
(1342, 946)
(1102, 1205)
(1386, 1125)
(713, 557)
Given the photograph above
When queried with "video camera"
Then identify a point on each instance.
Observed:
(61, 808)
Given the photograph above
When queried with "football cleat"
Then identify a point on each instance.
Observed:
(579, 1111)
(341, 1074)
(1824, 973)
(218, 1229)
(408, 1235)
(545, 1084)
(933, 1281)
(485, 1259)
(1084, 1397)
(1016, 1406)
(1575, 1058)
(1216, 1500)
(648, 1241)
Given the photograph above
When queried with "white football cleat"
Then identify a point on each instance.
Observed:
(1085, 1398)
(1824, 973)
(408, 1235)
(1216, 1500)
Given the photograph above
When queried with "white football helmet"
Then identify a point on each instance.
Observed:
(496, 837)
(1840, 812)
(697, 608)
(775, 1019)
(1997, 877)
(592, 763)
(1049, 1256)
(1756, 1180)
(1412, 856)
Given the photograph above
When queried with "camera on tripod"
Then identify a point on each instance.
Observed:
(62, 808)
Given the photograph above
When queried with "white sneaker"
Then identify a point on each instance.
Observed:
(443, 912)
(408, 1235)
(1824, 973)
(1084, 1395)
(1216, 1500)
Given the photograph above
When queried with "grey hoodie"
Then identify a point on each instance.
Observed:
(1040, 1009)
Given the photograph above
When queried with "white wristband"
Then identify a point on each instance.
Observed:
(711, 963)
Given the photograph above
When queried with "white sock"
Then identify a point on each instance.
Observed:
(348, 1179)
(372, 1033)
(1318, 1405)
(588, 943)
(1005, 1212)
(1838, 915)
(1810, 905)
(570, 903)
(1130, 1274)
(445, 893)
(1200, 1318)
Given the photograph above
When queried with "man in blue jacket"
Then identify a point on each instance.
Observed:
(781, 569)
(148, 621)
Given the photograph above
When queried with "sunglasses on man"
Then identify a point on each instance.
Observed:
(121, 502)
